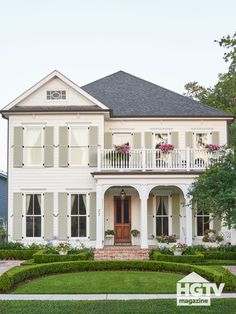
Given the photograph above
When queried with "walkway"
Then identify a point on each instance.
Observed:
(91, 297)
(232, 269)
(6, 265)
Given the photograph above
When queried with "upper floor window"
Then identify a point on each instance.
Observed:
(201, 140)
(56, 94)
(78, 146)
(33, 215)
(33, 145)
(161, 138)
(122, 138)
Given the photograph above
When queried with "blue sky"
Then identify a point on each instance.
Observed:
(167, 42)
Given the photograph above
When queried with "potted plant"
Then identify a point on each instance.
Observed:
(63, 248)
(212, 147)
(135, 236)
(178, 249)
(211, 239)
(119, 156)
(109, 237)
(166, 148)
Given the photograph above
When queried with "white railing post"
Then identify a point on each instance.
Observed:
(99, 159)
(188, 158)
(143, 159)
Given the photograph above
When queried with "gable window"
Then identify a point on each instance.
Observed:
(33, 215)
(161, 138)
(78, 215)
(162, 215)
(33, 146)
(78, 146)
(201, 140)
(56, 94)
(203, 222)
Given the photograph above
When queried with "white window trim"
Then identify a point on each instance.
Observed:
(128, 133)
(24, 217)
(25, 164)
(170, 214)
(86, 165)
(210, 224)
(87, 215)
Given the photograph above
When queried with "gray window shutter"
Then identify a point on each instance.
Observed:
(48, 216)
(17, 216)
(62, 216)
(93, 145)
(63, 146)
(18, 147)
(108, 140)
(175, 139)
(92, 217)
(49, 146)
(137, 140)
(150, 218)
(148, 140)
(175, 215)
(189, 139)
(215, 138)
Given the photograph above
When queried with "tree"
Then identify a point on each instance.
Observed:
(223, 94)
(215, 190)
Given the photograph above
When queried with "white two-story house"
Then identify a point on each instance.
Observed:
(83, 160)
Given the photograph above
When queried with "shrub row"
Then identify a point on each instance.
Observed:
(220, 255)
(18, 274)
(42, 257)
(17, 254)
(178, 259)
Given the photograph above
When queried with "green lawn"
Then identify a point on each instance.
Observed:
(103, 282)
(114, 307)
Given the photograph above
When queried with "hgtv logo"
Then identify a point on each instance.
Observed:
(196, 290)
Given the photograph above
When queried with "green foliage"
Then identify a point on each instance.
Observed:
(228, 279)
(220, 255)
(20, 274)
(42, 257)
(16, 254)
(215, 190)
(11, 246)
(178, 259)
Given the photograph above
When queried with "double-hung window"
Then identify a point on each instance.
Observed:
(79, 146)
(162, 215)
(33, 215)
(161, 138)
(78, 215)
(201, 140)
(33, 146)
(203, 222)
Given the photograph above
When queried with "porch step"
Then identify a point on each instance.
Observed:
(121, 253)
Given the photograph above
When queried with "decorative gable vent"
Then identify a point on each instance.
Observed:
(56, 94)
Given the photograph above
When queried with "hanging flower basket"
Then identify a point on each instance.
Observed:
(166, 148)
(212, 147)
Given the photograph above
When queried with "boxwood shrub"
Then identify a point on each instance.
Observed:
(42, 257)
(220, 255)
(178, 259)
(21, 273)
(16, 254)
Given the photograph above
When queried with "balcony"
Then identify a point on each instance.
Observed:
(156, 160)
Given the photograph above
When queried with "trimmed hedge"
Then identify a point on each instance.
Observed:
(42, 257)
(18, 274)
(17, 254)
(178, 259)
(220, 255)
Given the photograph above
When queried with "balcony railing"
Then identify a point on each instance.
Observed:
(154, 159)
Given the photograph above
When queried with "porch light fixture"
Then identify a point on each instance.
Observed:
(122, 194)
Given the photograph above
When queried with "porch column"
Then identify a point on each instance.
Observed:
(188, 220)
(143, 218)
(100, 217)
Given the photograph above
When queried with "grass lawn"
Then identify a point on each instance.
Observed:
(149, 306)
(103, 282)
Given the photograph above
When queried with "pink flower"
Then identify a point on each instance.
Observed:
(165, 148)
(212, 147)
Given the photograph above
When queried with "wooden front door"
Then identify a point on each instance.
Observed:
(122, 219)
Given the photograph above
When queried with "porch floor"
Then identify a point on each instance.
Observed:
(121, 253)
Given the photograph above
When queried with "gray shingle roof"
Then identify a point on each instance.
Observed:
(130, 96)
